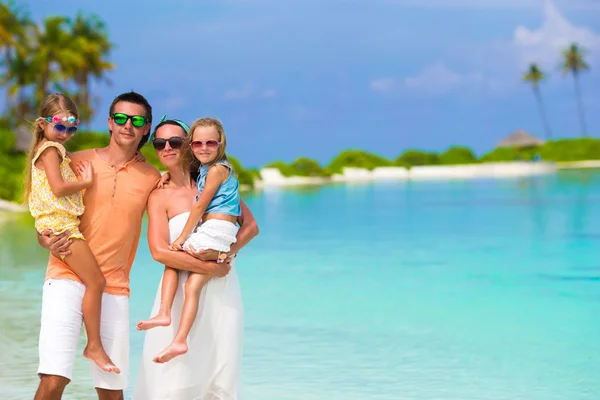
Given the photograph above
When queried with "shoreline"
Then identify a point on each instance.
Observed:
(272, 177)
(11, 207)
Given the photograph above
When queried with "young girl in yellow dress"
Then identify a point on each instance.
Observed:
(56, 202)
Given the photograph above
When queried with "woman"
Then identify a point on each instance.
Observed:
(211, 367)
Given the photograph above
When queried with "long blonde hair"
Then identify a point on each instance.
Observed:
(190, 162)
(53, 104)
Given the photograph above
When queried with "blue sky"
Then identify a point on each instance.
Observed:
(292, 78)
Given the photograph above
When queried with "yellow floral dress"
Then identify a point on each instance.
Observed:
(58, 214)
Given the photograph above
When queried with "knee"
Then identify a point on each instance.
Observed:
(52, 384)
(97, 283)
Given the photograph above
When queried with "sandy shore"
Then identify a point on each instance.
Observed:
(11, 207)
(272, 176)
(579, 164)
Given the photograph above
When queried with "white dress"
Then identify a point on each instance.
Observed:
(211, 369)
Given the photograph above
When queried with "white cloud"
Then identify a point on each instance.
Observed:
(437, 78)
(544, 44)
(248, 91)
(383, 85)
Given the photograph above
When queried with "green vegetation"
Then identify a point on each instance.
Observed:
(61, 54)
(357, 159)
(302, 166)
(561, 150)
(12, 165)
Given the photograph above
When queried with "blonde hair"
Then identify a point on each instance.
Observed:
(51, 105)
(190, 162)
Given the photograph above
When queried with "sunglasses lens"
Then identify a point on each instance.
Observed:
(71, 130)
(159, 144)
(138, 121)
(60, 128)
(175, 142)
(120, 119)
(212, 144)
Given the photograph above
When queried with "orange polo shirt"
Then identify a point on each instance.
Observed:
(112, 221)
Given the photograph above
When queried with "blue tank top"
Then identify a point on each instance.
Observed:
(227, 198)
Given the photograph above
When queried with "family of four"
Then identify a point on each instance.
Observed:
(88, 208)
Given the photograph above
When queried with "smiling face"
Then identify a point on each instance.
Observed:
(127, 135)
(205, 144)
(172, 137)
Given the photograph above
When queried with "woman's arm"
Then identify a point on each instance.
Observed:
(51, 159)
(214, 178)
(158, 240)
(248, 231)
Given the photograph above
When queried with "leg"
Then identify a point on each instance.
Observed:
(104, 394)
(193, 287)
(168, 290)
(60, 329)
(51, 387)
(114, 330)
(83, 263)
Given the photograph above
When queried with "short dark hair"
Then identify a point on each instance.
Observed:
(135, 98)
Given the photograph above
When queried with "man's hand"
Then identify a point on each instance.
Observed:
(222, 269)
(57, 244)
(204, 255)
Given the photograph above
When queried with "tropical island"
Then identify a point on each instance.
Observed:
(31, 69)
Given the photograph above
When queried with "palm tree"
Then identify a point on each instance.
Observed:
(91, 38)
(14, 23)
(55, 54)
(534, 75)
(574, 63)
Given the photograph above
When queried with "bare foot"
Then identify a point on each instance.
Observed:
(102, 360)
(173, 350)
(159, 320)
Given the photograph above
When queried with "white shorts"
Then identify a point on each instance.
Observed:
(213, 234)
(61, 327)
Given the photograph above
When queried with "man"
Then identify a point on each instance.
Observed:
(115, 205)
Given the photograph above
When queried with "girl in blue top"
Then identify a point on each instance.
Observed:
(217, 208)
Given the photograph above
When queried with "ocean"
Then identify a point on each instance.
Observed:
(455, 290)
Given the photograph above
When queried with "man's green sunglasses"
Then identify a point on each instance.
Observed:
(136, 120)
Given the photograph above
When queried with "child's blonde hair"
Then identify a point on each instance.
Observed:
(53, 104)
(190, 162)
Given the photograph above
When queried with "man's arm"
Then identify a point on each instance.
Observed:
(158, 240)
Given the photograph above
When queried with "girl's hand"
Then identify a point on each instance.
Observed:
(177, 244)
(139, 157)
(85, 171)
(164, 179)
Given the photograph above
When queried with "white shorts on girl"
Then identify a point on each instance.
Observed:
(213, 234)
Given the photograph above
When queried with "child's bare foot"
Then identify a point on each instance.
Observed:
(173, 350)
(159, 320)
(102, 360)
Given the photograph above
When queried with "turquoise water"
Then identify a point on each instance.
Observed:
(481, 290)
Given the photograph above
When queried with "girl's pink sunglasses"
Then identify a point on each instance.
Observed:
(197, 145)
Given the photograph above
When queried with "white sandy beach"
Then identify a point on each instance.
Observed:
(10, 206)
(272, 177)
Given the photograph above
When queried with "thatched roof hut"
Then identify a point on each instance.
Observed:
(520, 139)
